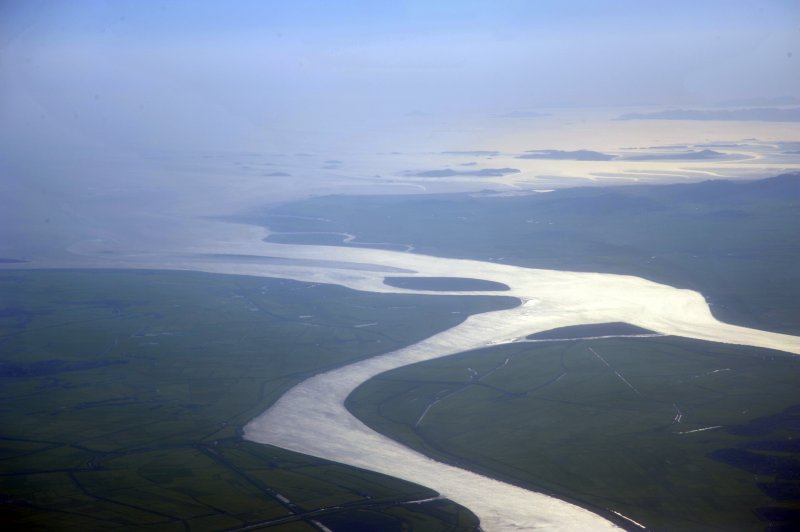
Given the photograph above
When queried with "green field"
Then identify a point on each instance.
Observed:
(613, 424)
(124, 395)
(736, 243)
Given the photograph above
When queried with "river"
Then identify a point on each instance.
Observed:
(311, 417)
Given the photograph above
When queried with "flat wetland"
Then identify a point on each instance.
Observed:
(124, 395)
(676, 434)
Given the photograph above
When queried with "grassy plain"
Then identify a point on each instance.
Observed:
(123, 395)
(676, 434)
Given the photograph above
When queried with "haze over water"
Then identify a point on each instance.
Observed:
(129, 130)
(119, 118)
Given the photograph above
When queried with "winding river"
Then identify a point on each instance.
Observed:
(311, 417)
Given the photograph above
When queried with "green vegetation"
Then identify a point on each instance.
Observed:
(124, 394)
(677, 434)
(445, 284)
(736, 243)
(574, 332)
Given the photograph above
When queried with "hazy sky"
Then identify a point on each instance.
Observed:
(177, 74)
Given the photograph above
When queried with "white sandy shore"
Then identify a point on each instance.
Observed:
(311, 418)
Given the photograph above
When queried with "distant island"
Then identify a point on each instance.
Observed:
(561, 155)
(483, 172)
(691, 155)
(476, 153)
